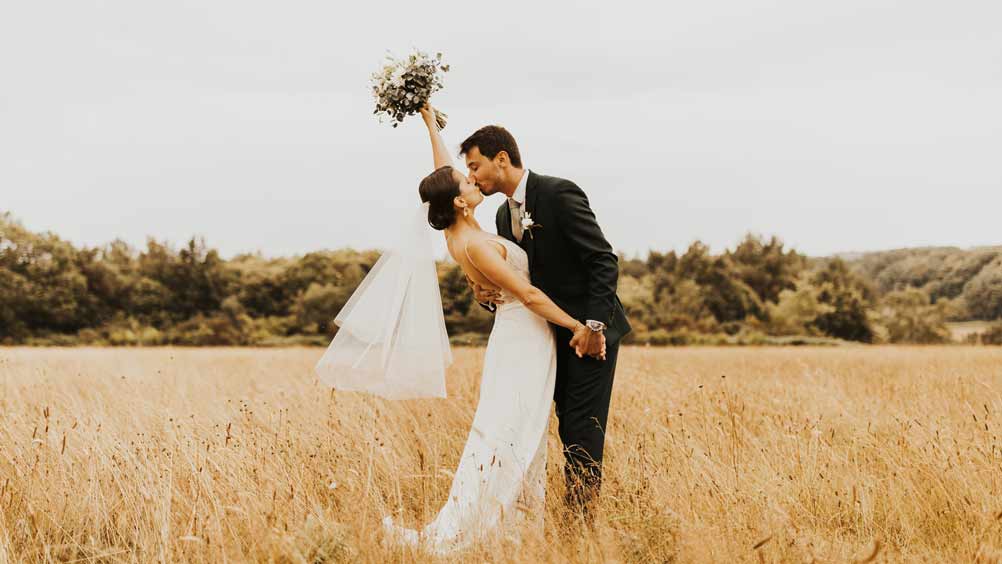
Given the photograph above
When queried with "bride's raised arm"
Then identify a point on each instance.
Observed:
(439, 152)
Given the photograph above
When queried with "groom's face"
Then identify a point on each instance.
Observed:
(484, 172)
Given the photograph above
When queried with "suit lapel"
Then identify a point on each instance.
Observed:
(531, 193)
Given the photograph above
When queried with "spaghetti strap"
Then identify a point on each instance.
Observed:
(504, 255)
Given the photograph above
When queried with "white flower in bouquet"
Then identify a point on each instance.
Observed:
(403, 86)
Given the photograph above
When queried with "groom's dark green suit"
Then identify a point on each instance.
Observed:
(571, 261)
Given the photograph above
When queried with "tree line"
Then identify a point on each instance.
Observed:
(759, 292)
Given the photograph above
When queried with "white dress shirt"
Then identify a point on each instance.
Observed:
(519, 195)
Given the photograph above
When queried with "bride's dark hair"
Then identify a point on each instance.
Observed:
(439, 189)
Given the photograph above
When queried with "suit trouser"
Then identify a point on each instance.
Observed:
(582, 394)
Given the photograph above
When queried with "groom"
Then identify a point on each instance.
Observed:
(571, 261)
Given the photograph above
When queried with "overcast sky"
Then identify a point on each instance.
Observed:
(838, 126)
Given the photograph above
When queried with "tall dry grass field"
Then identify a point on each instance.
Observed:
(715, 455)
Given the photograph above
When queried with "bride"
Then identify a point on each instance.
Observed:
(499, 484)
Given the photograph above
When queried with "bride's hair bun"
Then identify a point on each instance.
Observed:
(439, 189)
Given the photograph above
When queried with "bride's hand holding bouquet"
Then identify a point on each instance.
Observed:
(403, 87)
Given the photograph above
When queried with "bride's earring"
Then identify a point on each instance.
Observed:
(466, 212)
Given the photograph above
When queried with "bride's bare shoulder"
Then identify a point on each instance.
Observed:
(482, 242)
(490, 241)
(462, 245)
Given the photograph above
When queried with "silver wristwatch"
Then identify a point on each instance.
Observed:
(596, 326)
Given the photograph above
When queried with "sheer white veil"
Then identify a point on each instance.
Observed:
(391, 340)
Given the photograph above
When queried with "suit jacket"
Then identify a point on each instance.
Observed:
(569, 257)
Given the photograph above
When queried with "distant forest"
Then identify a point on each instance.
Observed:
(759, 292)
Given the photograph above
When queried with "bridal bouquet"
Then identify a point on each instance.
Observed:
(403, 86)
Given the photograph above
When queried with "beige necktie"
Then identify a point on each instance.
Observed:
(516, 219)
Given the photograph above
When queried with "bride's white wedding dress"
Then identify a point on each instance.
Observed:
(500, 482)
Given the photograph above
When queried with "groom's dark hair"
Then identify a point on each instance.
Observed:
(491, 140)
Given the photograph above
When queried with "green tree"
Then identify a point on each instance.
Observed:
(765, 267)
(798, 310)
(983, 293)
(851, 301)
(909, 316)
(316, 308)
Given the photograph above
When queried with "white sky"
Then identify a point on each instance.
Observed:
(852, 125)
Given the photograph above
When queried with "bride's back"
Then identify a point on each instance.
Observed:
(457, 249)
(510, 252)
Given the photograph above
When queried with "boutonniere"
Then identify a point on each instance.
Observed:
(528, 224)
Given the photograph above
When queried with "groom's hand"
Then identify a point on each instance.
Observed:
(484, 295)
(588, 343)
(596, 345)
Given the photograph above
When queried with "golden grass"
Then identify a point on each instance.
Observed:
(714, 455)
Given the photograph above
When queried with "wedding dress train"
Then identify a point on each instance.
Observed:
(499, 484)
